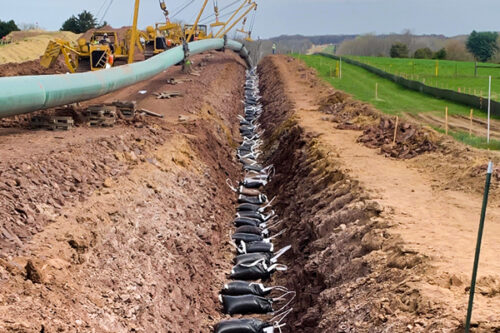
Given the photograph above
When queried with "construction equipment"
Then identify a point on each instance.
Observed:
(217, 23)
(104, 48)
(101, 51)
(192, 30)
(252, 5)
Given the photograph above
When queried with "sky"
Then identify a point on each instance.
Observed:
(277, 17)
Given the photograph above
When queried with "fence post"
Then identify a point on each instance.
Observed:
(478, 247)
(470, 125)
(395, 131)
(340, 73)
(446, 120)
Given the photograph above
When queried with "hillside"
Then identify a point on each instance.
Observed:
(30, 45)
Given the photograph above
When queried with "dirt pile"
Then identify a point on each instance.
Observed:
(32, 68)
(30, 45)
(351, 273)
(123, 229)
(409, 140)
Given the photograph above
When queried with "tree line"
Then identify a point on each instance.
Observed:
(76, 23)
(479, 46)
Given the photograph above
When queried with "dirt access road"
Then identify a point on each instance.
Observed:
(123, 229)
(435, 216)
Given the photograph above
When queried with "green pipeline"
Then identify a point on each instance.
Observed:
(24, 94)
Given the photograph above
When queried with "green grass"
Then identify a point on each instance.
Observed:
(472, 140)
(330, 49)
(451, 74)
(392, 99)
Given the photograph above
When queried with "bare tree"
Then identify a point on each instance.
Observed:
(456, 50)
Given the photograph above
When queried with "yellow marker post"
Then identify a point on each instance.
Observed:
(437, 68)
(470, 125)
(446, 120)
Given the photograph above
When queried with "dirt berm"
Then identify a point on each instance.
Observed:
(352, 270)
(123, 229)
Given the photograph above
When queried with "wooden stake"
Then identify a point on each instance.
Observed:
(446, 121)
(395, 131)
(470, 126)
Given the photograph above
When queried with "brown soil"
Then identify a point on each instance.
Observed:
(379, 244)
(30, 45)
(123, 229)
(31, 68)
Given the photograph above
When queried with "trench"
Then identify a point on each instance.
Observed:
(171, 231)
(348, 270)
(327, 225)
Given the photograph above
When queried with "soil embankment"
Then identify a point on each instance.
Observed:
(123, 229)
(379, 244)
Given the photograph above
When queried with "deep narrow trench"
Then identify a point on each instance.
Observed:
(249, 290)
(344, 265)
(296, 252)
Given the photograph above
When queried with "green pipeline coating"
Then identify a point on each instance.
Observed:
(24, 94)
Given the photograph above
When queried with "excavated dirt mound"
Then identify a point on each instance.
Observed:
(123, 229)
(410, 139)
(30, 45)
(350, 271)
(31, 68)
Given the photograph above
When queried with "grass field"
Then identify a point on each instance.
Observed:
(392, 98)
(452, 75)
(329, 49)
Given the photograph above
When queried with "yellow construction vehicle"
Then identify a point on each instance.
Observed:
(101, 51)
(104, 48)
(163, 36)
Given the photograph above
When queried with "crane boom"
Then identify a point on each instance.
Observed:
(252, 6)
(195, 25)
(245, 2)
(133, 35)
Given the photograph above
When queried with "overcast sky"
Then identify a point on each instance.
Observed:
(276, 17)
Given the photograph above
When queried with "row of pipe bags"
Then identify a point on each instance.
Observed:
(256, 226)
